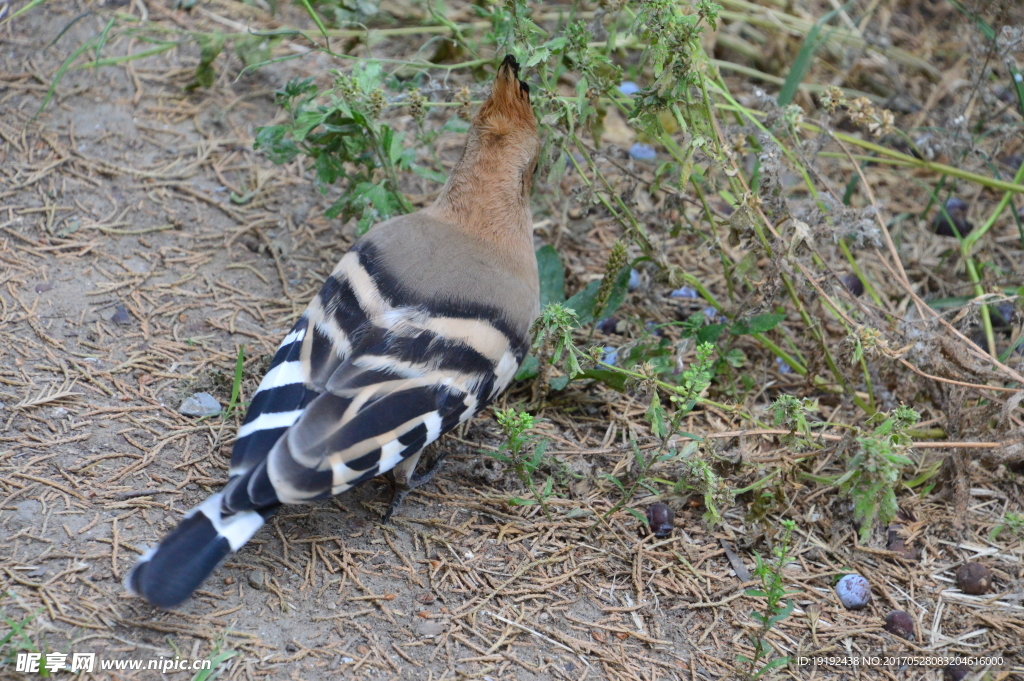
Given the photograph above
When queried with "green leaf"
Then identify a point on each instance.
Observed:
(552, 276)
(656, 417)
(711, 333)
(429, 173)
(306, 121)
(559, 382)
(757, 324)
(802, 63)
(529, 369)
(210, 45)
(613, 379)
(272, 140)
(638, 515)
(519, 501)
(583, 302)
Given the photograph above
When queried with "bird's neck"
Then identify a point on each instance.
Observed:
(489, 204)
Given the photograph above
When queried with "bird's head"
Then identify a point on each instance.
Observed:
(505, 125)
(502, 146)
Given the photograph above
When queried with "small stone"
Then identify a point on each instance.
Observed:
(43, 287)
(229, 580)
(955, 672)
(782, 366)
(642, 152)
(430, 628)
(953, 220)
(256, 579)
(609, 355)
(628, 87)
(974, 578)
(854, 592)
(121, 316)
(200, 404)
(685, 292)
(853, 284)
(634, 280)
(900, 623)
(710, 313)
(661, 518)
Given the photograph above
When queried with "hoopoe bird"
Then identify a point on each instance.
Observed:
(422, 324)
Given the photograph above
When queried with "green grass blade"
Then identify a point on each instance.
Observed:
(26, 8)
(317, 21)
(804, 58)
(61, 71)
(113, 61)
(67, 27)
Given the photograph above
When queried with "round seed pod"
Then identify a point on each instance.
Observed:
(974, 578)
(854, 592)
(900, 623)
(660, 518)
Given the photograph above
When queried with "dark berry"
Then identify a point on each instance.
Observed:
(900, 624)
(973, 578)
(955, 672)
(660, 518)
(952, 221)
(853, 284)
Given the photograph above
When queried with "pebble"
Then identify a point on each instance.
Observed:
(628, 87)
(430, 628)
(610, 355)
(200, 404)
(781, 365)
(854, 592)
(684, 292)
(634, 280)
(121, 316)
(642, 152)
(710, 313)
(256, 579)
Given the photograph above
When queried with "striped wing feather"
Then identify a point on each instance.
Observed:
(367, 378)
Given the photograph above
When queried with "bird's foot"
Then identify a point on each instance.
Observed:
(401, 489)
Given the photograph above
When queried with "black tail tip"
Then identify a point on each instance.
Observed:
(510, 62)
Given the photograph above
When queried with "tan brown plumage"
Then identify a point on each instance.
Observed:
(419, 327)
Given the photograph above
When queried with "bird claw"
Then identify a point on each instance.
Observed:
(400, 490)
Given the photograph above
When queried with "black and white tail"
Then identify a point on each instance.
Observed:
(168, 574)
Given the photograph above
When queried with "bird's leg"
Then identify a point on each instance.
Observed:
(404, 479)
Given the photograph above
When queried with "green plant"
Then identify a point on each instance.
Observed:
(16, 640)
(218, 656)
(1014, 522)
(776, 609)
(875, 469)
(524, 452)
(697, 475)
(341, 132)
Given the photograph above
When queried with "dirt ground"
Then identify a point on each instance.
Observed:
(129, 279)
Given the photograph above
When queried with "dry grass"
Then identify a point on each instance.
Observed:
(118, 196)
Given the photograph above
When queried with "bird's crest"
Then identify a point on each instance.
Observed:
(508, 108)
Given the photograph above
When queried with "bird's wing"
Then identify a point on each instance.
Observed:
(382, 376)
